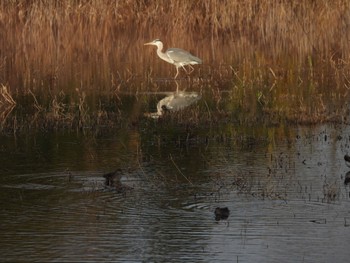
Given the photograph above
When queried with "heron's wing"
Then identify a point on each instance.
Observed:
(179, 55)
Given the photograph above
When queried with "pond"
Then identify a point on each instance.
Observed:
(146, 186)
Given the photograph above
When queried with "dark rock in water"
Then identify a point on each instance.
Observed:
(113, 177)
(221, 213)
(112, 180)
(347, 178)
(347, 160)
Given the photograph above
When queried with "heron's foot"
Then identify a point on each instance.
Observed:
(191, 69)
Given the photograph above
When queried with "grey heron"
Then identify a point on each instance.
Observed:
(176, 56)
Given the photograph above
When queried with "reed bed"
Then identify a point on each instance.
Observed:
(99, 44)
(282, 60)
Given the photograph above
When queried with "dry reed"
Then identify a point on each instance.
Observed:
(6, 97)
(98, 44)
(281, 60)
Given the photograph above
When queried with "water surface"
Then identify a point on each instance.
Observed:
(284, 187)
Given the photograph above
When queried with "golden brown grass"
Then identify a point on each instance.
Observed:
(282, 60)
(99, 44)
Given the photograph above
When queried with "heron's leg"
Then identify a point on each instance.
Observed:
(177, 72)
(184, 68)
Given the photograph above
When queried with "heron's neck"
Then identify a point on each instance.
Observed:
(159, 47)
(160, 53)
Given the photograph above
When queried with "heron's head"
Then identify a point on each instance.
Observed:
(155, 42)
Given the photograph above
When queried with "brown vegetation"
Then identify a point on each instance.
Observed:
(99, 43)
(283, 59)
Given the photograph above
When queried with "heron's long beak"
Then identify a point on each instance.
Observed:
(149, 43)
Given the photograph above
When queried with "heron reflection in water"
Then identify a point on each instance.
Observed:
(176, 56)
(174, 101)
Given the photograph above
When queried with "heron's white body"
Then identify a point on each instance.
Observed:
(175, 56)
